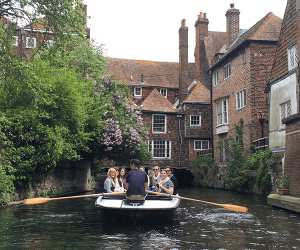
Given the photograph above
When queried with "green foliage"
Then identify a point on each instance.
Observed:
(63, 17)
(202, 168)
(263, 162)
(239, 166)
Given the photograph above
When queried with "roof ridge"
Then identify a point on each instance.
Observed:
(139, 60)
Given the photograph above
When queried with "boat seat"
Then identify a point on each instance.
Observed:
(134, 200)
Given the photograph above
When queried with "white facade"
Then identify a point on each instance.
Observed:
(284, 91)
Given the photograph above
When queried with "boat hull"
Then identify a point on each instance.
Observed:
(150, 207)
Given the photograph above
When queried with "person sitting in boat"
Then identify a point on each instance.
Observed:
(143, 170)
(137, 182)
(110, 182)
(165, 185)
(155, 178)
(122, 177)
(119, 184)
(172, 177)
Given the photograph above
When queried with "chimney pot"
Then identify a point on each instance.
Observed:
(232, 5)
(183, 23)
(204, 15)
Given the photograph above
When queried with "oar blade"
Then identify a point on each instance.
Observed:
(35, 201)
(235, 208)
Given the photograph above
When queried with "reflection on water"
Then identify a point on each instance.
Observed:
(79, 225)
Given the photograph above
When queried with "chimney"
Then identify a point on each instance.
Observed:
(201, 27)
(183, 60)
(232, 24)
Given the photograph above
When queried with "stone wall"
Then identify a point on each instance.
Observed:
(69, 178)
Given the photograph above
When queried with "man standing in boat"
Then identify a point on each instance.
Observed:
(137, 182)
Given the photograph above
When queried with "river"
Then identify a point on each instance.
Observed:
(77, 224)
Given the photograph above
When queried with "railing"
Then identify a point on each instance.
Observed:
(261, 143)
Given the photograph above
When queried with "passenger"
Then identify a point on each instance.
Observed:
(155, 178)
(165, 185)
(172, 178)
(119, 185)
(110, 182)
(143, 170)
(136, 182)
(122, 177)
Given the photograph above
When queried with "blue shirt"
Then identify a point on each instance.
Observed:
(136, 182)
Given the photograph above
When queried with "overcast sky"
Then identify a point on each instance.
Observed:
(148, 29)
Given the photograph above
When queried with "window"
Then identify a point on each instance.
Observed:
(137, 92)
(163, 92)
(223, 150)
(159, 124)
(241, 99)
(285, 110)
(227, 70)
(200, 145)
(244, 57)
(49, 43)
(15, 41)
(30, 42)
(195, 120)
(222, 112)
(160, 149)
(215, 78)
(292, 57)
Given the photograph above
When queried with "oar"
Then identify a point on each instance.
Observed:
(44, 200)
(235, 208)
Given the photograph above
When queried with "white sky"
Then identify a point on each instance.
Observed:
(148, 29)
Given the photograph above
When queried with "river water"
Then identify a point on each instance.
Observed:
(77, 224)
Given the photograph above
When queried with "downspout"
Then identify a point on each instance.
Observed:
(180, 139)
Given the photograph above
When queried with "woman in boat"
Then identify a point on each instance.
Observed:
(110, 182)
(122, 177)
(119, 184)
(165, 185)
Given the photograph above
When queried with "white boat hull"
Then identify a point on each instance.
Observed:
(148, 205)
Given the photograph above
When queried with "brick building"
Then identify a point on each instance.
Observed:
(178, 129)
(284, 98)
(239, 76)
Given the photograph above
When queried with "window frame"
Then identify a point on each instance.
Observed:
(15, 42)
(201, 143)
(287, 105)
(200, 120)
(241, 99)
(167, 150)
(165, 124)
(223, 112)
(162, 90)
(292, 57)
(215, 78)
(135, 92)
(27, 42)
(227, 71)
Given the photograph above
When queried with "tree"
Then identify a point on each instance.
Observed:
(60, 16)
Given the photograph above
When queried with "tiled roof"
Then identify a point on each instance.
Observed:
(163, 74)
(199, 93)
(267, 29)
(157, 103)
(213, 43)
(38, 24)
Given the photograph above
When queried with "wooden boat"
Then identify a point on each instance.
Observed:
(152, 205)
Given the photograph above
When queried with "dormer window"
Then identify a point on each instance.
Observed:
(292, 58)
(227, 71)
(163, 92)
(137, 92)
(30, 42)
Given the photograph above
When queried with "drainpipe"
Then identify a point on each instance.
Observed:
(180, 138)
